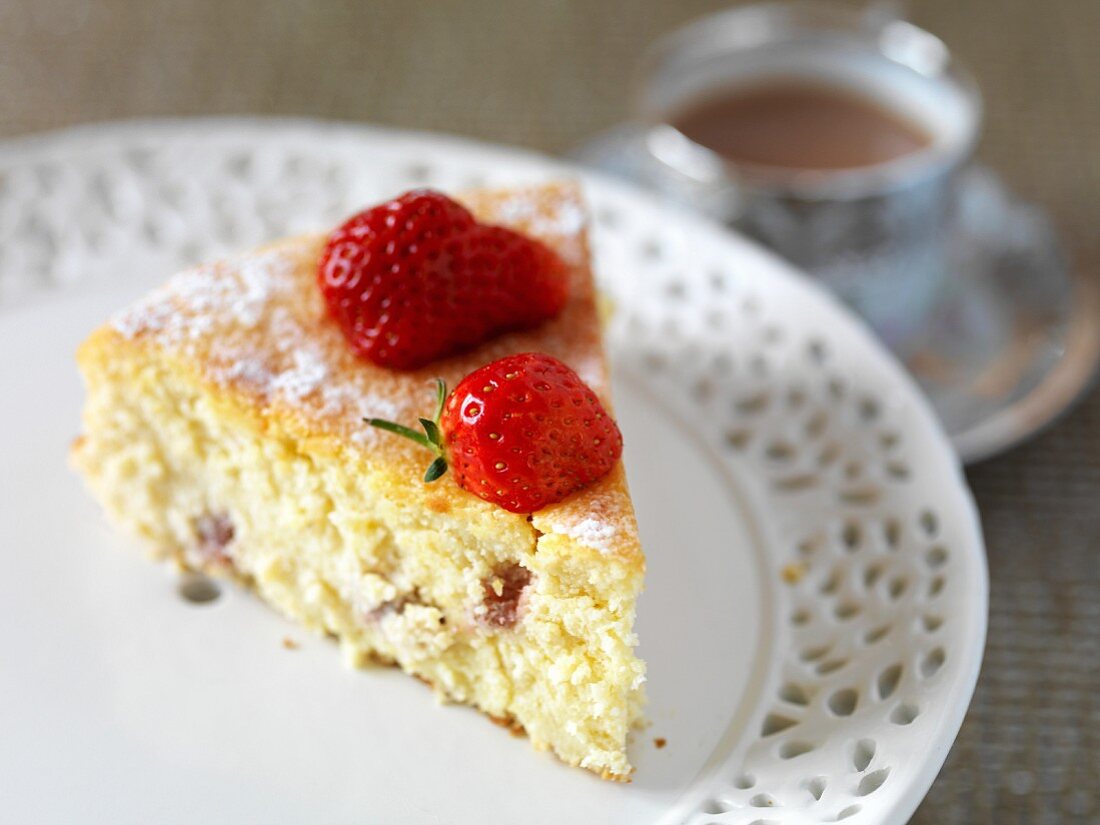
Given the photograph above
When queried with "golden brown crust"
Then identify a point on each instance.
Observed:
(255, 327)
(509, 724)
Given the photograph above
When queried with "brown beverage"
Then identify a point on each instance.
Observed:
(799, 124)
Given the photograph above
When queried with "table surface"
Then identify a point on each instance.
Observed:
(547, 74)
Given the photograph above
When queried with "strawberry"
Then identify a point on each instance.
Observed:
(522, 432)
(417, 278)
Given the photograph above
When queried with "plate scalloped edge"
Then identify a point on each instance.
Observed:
(881, 571)
(877, 561)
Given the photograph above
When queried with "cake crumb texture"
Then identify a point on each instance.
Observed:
(223, 425)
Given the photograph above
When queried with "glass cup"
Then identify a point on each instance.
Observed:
(876, 234)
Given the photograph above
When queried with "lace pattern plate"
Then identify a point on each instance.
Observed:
(816, 596)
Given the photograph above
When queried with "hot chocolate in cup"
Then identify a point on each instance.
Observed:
(834, 137)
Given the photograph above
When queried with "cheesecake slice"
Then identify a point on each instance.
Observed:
(224, 425)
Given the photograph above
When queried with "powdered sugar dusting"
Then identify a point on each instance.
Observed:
(599, 535)
(590, 371)
(304, 376)
(348, 402)
(234, 291)
(248, 372)
(151, 314)
(559, 223)
(260, 276)
(295, 369)
(600, 517)
(524, 209)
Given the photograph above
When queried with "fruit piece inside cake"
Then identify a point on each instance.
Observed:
(228, 423)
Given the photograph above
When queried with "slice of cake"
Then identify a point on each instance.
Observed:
(225, 425)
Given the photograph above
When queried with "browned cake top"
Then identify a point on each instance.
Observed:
(256, 325)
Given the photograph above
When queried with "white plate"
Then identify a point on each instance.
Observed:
(816, 596)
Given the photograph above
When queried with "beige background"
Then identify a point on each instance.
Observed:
(546, 75)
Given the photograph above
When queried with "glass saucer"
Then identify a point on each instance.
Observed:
(1013, 336)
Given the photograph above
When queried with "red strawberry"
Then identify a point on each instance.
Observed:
(417, 278)
(522, 432)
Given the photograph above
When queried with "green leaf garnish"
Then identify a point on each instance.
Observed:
(431, 429)
(402, 430)
(432, 437)
(436, 469)
(440, 397)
